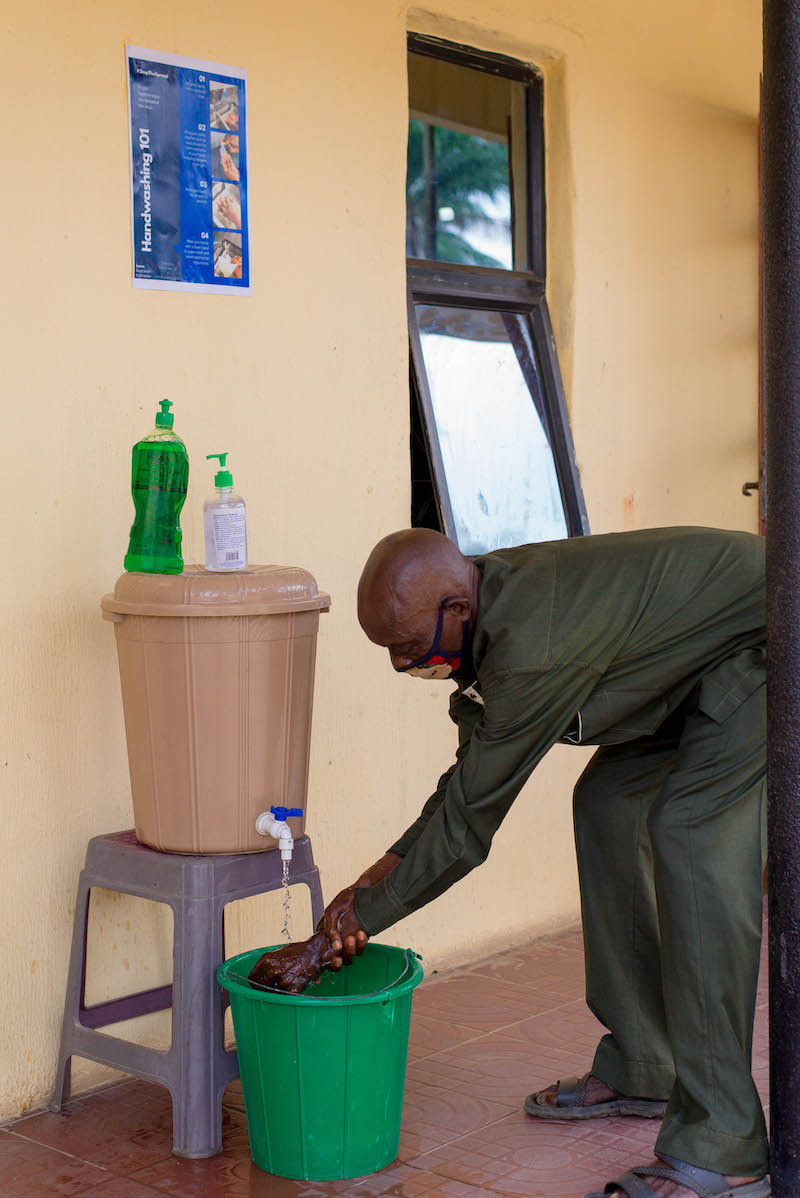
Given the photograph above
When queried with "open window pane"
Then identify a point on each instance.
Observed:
(465, 134)
(491, 426)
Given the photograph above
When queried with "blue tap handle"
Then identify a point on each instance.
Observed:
(284, 812)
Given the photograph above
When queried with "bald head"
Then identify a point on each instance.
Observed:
(408, 579)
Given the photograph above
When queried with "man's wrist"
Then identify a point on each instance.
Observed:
(377, 872)
(377, 907)
(408, 839)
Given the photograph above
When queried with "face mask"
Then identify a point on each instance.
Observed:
(441, 671)
(438, 663)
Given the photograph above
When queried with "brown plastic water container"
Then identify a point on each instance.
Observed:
(217, 674)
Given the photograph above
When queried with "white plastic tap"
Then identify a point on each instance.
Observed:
(273, 823)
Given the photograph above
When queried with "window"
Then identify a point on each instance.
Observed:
(491, 452)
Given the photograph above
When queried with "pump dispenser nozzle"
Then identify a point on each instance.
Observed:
(223, 477)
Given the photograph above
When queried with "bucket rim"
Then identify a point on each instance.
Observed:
(395, 990)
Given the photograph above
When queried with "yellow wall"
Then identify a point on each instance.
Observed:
(651, 115)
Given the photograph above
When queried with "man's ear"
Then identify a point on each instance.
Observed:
(460, 606)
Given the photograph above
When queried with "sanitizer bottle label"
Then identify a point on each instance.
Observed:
(230, 539)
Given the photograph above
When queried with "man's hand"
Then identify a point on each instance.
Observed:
(339, 923)
(227, 165)
(229, 209)
(294, 966)
(226, 266)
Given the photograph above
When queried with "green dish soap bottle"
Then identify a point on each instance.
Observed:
(159, 478)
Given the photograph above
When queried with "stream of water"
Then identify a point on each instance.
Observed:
(285, 929)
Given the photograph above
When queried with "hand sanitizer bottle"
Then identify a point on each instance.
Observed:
(225, 523)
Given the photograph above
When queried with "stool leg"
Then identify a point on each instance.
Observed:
(76, 983)
(311, 880)
(317, 902)
(197, 1015)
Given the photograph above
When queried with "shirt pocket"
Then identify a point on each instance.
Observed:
(727, 685)
(616, 715)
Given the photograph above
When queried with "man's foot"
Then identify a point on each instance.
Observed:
(697, 1182)
(588, 1098)
(596, 1091)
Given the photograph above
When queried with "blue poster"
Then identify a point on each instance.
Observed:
(190, 203)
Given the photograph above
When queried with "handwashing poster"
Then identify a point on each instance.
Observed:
(188, 173)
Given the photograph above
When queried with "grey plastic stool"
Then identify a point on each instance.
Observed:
(197, 1068)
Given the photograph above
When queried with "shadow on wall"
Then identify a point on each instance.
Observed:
(696, 214)
(680, 222)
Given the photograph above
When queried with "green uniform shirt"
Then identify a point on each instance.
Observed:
(592, 640)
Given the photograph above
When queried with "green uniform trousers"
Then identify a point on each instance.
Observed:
(670, 837)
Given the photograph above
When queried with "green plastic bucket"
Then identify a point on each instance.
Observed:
(323, 1072)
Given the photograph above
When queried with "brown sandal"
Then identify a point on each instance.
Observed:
(570, 1104)
(702, 1182)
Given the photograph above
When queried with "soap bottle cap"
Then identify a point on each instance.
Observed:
(223, 477)
(164, 418)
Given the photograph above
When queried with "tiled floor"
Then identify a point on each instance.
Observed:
(482, 1038)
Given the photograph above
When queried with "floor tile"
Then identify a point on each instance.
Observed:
(233, 1096)
(571, 939)
(120, 1132)
(226, 1177)
(121, 1187)
(555, 971)
(473, 1001)
(557, 1045)
(432, 1116)
(433, 1035)
(568, 1027)
(29, 1170)
(508, 1065)
(492, 1068)
(402, 1181)
(230, 1175)
(526, 1159)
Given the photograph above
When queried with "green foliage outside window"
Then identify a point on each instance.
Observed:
(450, 170)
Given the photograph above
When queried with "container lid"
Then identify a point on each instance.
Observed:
(165, 418)
(256, 591)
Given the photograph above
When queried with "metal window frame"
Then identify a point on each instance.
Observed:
(478, 287)
(519, 72)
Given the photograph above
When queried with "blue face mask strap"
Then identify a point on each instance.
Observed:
(435, 651)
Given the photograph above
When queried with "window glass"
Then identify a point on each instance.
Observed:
(465, 131)
(492, 427)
